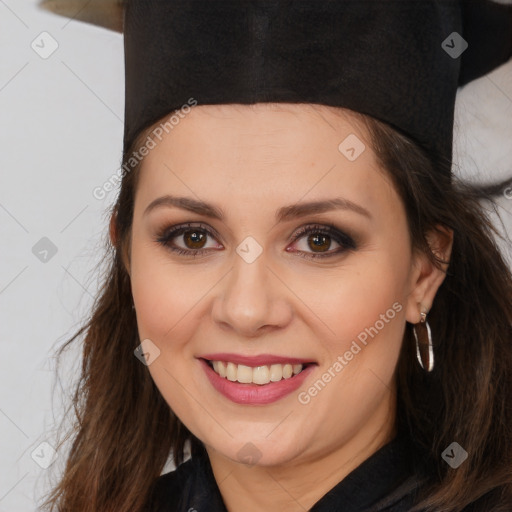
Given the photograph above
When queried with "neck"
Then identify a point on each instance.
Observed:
(298, 484)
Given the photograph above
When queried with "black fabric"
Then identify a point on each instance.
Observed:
(385, 482)
(379, 57)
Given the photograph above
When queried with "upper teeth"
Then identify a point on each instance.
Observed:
(257, 375)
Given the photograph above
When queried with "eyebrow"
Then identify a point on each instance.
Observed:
(283, 214)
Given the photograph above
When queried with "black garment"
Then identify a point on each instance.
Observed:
(385, 482)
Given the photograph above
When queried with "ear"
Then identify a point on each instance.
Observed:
(426, 277)
(114, 239)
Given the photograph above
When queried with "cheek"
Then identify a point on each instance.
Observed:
(364, 307)
(360, 295)
(166, 295)
(167, 301)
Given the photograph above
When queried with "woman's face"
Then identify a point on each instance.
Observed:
(244, 285)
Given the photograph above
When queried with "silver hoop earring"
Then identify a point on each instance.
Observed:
(424, 348)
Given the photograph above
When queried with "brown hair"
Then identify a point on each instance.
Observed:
(124, 430)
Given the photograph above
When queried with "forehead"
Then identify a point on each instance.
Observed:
(265, 152)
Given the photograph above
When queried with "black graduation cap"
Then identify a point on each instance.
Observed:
(400, 61)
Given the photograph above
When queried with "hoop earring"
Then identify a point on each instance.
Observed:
(424, 343)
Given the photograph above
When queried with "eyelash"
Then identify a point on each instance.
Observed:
(345, 241)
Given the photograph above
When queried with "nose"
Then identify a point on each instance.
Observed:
(252, 300)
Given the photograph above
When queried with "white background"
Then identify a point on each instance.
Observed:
(61, 127)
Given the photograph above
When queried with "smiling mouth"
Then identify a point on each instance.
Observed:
(261, 375)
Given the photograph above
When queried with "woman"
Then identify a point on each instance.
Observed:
(299, 289)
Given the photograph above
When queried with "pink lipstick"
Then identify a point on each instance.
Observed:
(255, 380)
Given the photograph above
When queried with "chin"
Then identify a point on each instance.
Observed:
(262, 453)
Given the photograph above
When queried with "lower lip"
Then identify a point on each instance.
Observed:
(255, 394)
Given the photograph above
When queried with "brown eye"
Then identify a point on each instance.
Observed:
(319, 242)
(320, 239)
(194, 239)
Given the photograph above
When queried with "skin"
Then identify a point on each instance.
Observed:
(249, 161)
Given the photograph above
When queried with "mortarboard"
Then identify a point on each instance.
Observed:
(400, 61)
